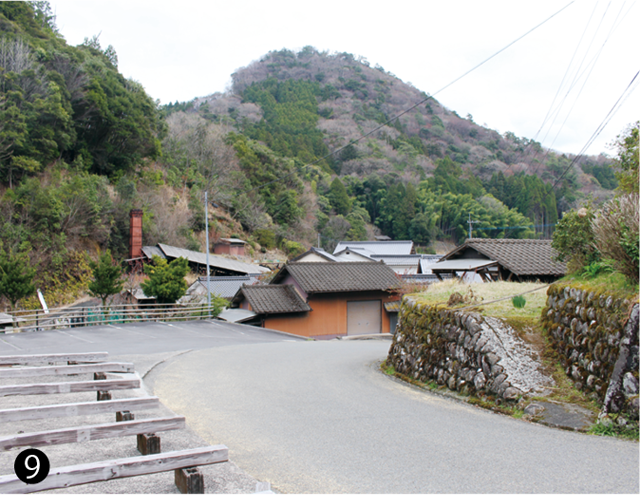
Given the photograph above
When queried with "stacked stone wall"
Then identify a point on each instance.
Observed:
(463, 351)
(596, 337)
(585, 331)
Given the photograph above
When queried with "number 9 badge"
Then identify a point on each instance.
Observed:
(31, 466)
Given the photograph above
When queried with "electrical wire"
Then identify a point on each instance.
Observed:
(625, 94)
(590, 67)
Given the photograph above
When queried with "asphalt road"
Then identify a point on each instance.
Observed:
(137, 339)
(318, 417)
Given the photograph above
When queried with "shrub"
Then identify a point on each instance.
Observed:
(518, 302)
(598, 267)
(265, 237)
(292, 248)
(574, 240)
(616, 234)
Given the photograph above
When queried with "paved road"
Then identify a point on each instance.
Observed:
(137, 339)
(317, 417)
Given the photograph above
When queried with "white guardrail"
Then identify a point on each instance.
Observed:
(97, 315)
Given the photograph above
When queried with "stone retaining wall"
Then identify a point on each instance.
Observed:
(463, 351)
(596, 337)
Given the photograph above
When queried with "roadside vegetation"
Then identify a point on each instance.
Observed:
(600, 247)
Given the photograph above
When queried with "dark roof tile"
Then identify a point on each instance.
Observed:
(520, 256)
(340, 277)
(273, 299)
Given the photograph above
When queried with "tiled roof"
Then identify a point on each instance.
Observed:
(339, 277)
(377, 247)
(273, 299)
(520, 256)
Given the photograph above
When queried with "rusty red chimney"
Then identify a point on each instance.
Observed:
(135, 234)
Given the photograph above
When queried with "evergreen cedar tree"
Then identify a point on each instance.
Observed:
(107, 278)
(166, 280)
(16, 277)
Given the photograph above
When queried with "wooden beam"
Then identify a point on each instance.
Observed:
(78, 409)
(85, 357)
(92, 432)
(74, 369)
(68, 387)
(119, 468)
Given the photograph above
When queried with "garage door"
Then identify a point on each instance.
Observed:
(364, 317)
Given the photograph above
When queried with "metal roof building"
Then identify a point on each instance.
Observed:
(377, 247)
(217, 264)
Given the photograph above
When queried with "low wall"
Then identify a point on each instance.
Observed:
(463, 351)
(596, 337)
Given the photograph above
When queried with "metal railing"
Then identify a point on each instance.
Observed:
(109, 315)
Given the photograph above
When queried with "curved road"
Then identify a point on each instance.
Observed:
(318, 417)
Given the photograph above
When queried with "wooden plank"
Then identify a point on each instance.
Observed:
(84, 357)
(68, 387)
(74, 369)
(78, 409)
(92, 432)
(120, 468)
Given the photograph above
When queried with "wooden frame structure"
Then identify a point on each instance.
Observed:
(185, 462)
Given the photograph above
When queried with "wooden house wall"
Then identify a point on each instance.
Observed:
(328, 318)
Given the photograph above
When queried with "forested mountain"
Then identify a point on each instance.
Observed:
(418, 176)
(304, 143)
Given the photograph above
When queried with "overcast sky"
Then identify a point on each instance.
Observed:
(586, 54)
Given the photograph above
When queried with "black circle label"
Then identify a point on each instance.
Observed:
(32, 466)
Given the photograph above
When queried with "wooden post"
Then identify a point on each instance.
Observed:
(189, 480)
(102, 394)
(125, 416)
(148, 443)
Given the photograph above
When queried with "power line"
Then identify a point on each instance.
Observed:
(424, 100)
(625, 94)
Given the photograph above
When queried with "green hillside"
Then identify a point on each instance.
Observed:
(303, 144)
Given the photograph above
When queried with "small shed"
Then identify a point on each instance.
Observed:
(234, 247)
(222, 286)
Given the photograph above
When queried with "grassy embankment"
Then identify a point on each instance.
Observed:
(495, 300)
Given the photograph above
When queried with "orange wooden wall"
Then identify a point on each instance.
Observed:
(328, 317)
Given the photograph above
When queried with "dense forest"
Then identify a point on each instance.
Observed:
(304, 146)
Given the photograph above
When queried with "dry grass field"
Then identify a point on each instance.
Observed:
(483, 295)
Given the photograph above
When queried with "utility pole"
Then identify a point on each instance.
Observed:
(470, 222)
(206, 222)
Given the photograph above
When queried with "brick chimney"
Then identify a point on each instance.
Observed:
(135, 234)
